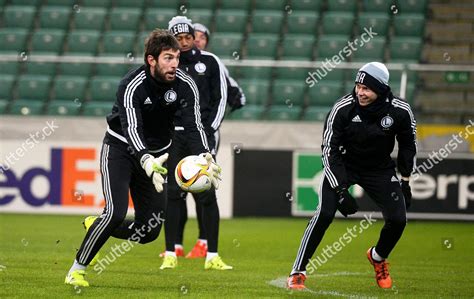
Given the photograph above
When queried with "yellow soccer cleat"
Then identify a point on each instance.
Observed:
(216, 263)
(87, 224)
(76, 278)
(169, 262)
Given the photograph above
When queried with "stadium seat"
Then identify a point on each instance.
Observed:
(302, 22)
(330, 45)
(19, 16)
(64, 108)
(262, 46)
(69, 88)
(249, 112)
(270, 4)
(26, 2)
(203, 16)
(232, 4)
(338, 23)
(40, 68)
(130, 4)
(26, 107)
(374, 50)
(409, 25)
(256, 91)
(325, 93)
(97, 109)
(112, 69)
(283, 113)
(231, 20)
(96, 3)
(118, 42)
(158, 18)
(305, 5)
(412, 6)
(378, 21)
(13, 40)
(405, 49)
(33, 87)
(58, 3)
(103, 88)
(82, 42)
(292, 73)
(9, 67)
(336, 75)
(226, 45)
(3, 106)
(6, 84)
(342, 5)
(382, 6)
(288, 92)
(47, 41)
(92, 18)
(202, 4)
(167, 4)
(254, 72)
(124, 18)
(298, 47)
(316, 113)
(267, 21)
(55, 17)
(75, 69)
(409, 93)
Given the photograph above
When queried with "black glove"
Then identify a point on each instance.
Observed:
(347, 204)
(406, 190)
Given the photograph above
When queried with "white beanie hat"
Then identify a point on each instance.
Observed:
(180, 24)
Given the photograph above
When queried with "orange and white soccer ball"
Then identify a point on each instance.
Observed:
(192, 174)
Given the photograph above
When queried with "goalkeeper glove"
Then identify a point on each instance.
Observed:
(154, 169)
(406, 190)
(213, 169)
(346, 204)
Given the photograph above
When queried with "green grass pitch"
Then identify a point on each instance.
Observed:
(432, 260)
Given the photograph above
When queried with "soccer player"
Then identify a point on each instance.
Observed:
(206, 69)
(358, 138)
(135, 146)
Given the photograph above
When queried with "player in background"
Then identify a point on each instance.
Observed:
(135, 147)
(206, 69)
(358, 138)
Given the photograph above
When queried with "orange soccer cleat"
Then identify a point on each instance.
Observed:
(381, 271)
(296, 282)
(199, 251)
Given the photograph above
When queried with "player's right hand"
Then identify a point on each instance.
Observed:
(154, 169)
(346, 204)
(214, 169)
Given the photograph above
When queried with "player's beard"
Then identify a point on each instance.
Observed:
(163, 76)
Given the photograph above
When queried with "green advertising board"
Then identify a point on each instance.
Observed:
(307, 172)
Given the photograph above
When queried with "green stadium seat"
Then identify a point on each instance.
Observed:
(330, 45)
(55, 17)
(19, 16)
(374, 50)
(271, 4)
(168, 4)
(267, 21)
(158, 18)
(75, 69)
(112, 69)
(63, 108)
(412, 6)
(382, 6)
(9, 67)
(342, 5)
(26, 107)
(3, 106)
(130, 4)
(26, 2)
(248, 112)
(47, 41)
(378, 21)
(338, 23)
(409, 25)
(58, 3)
(124, 18)
(103, 88)
(231, 20)
(40, 68)
(302, 22)
(69, 88)
(283, 113)
(203, 16)
(232, 4)
(96, 3)
(33, 87)
(256, 91)
(292, 73)
(12, 40)
(305, 5)
(140, 43)
(316, 113)
(91, 18)
(298, 47)
(97, 109)
(336, 74)
(255, 72)
(202, 4)
(405, 49)
(325, 93)
(119, 42)
(409, 93)
(83, 42)
(396, 76)
(226, 45)
(6, 84)
(262, 46)
(288, 92)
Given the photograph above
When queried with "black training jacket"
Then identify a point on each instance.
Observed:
(359, 140)
(144, 112)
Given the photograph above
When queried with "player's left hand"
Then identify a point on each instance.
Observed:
(213, 169)
(406, 190)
